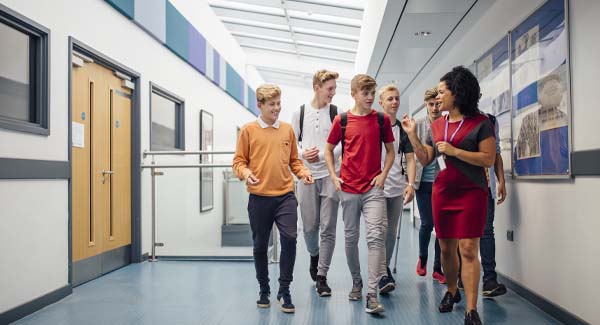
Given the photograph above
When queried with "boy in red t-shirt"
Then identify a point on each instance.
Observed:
(360, 185)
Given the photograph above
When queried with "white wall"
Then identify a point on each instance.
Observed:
(293, 97)
(33, 239)
(555, 250)
(38, 233)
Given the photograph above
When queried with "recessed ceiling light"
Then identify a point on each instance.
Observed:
(423, 33)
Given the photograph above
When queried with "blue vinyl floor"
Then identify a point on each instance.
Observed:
(192, 292)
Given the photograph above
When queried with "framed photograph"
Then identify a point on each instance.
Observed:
(206, 174)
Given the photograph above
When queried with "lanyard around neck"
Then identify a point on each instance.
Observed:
(455, 131)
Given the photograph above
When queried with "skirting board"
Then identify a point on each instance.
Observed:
(35, 305)
(542, 303)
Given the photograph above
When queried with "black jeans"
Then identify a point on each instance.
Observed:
(487, 244)
(423, 195)
(263, 211)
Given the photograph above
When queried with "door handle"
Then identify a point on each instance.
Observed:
(104, 173)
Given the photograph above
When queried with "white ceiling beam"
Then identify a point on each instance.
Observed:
(329, 8)
(306, 54)
(288, 41)
(282, 61)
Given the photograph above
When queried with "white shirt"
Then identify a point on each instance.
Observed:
(317, 124)
(264, 125)
(395, 181)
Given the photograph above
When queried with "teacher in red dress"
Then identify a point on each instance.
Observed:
(463, 145)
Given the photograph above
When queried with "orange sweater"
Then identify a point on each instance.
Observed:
(270, 154)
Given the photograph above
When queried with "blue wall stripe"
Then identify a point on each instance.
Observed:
(216, 68)
(162, 20)
(177, 32)
(197, 49)
(234, 87)
(126, 7)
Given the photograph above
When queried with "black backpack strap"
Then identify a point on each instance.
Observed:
(380, 122)
(344, 122)
(332, 112)
(301, 123)
(492, 119)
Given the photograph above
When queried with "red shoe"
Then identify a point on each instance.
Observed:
(439, 277)
(421, 271)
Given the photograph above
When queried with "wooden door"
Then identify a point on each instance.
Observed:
(101, 169)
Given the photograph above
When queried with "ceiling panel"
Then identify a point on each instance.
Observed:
(269, 50)
(439, 25)
(265, 43)
(326, 40)
(335, 10)
(327, 53)
(311, 33)
(406, 60)
(325, 26)
(437, 6)
(279, 19)
(258, 30)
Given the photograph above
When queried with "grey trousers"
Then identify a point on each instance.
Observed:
(319, 204)
(372, 206)
(394, 217)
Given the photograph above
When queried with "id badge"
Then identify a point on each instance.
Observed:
(441, 162)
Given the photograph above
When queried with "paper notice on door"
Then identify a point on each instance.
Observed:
(78, 134)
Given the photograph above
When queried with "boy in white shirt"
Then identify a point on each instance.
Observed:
(318, 202)
(399, 185)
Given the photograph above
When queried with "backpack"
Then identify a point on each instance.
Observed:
(401, 146)
(332, 114)
(344, 122)
(493, 120)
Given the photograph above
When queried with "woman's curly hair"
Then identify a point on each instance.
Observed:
(465, 88)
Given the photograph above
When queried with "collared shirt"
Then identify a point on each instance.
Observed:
(270, 153)
(316, 127)
(264, 124)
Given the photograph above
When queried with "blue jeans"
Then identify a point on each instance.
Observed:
(423, 195)
(487, 244)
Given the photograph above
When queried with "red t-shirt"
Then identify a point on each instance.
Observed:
(362, 156)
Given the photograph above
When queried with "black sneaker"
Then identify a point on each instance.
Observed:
(286, 302)
(386, 284)
(460, 285)
(492, 288)
(263, 300)
(472, 318)
(389, 274)
(314, 262)
(448, 302)
(323, 290)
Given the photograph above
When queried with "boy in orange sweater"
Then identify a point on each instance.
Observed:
(266, 152)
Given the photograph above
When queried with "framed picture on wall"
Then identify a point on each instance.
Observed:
(206, 174)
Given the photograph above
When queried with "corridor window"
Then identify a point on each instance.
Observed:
(23, 74)
(167, 120)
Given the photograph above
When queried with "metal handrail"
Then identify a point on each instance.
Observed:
(154, 173)
(183, 153)
(188, 166)
(153, 166)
